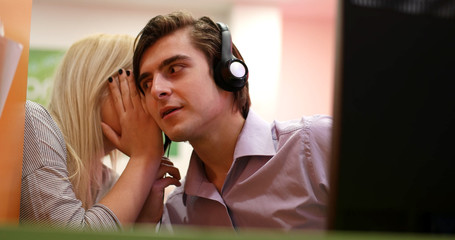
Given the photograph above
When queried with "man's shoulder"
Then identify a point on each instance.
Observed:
(308, 132)
(314, 124)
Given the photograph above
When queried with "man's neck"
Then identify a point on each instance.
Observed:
(216, 150)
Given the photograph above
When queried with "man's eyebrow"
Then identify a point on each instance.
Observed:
(163, 64)
(172, 59)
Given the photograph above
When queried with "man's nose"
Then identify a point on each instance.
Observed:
(161, 88)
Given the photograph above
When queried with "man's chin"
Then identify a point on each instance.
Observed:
(177, 139)
(174, 136)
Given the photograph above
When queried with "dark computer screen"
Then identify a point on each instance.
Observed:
(393, 163)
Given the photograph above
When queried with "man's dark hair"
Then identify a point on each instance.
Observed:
(205, 36)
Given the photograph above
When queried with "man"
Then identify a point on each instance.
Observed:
(243, 172)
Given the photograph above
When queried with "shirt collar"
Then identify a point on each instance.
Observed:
(255, 139)
(196, 182)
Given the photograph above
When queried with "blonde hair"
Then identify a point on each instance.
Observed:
(80, 85)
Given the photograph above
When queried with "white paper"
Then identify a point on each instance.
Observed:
(10, 52)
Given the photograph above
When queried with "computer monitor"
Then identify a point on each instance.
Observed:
(393, 161)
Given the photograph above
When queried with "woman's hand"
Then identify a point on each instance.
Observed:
(139, 134)
(139, 137)
(153, 206)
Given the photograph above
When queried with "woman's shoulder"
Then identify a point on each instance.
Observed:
(34, 110)
(44, 143)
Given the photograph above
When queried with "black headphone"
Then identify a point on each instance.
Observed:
(230, 73)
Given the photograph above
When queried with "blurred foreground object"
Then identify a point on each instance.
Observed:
(16, 16)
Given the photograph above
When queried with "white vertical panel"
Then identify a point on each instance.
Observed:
(256, 31)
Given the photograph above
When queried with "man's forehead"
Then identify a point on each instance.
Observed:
(180, 36)
(175, 43)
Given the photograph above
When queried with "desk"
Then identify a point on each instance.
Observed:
(19, 233)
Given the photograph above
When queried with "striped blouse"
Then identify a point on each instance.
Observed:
(47, 196)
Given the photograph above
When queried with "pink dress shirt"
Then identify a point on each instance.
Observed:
(279, 179)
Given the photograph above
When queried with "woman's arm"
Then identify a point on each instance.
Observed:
(47, 196)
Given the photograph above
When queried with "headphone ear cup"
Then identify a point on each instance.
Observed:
(230, 73)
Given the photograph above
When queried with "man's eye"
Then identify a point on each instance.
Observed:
(146, 84)
(175, 68)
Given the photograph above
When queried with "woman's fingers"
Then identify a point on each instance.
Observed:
(128, 91)
(162, 183)
(124, 92)
(116, 95)
(166, 160)
(135, 98)
(168, 169)
(125, 89)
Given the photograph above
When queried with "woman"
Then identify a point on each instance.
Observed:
(64, 182)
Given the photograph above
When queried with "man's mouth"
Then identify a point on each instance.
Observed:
(169, 111)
